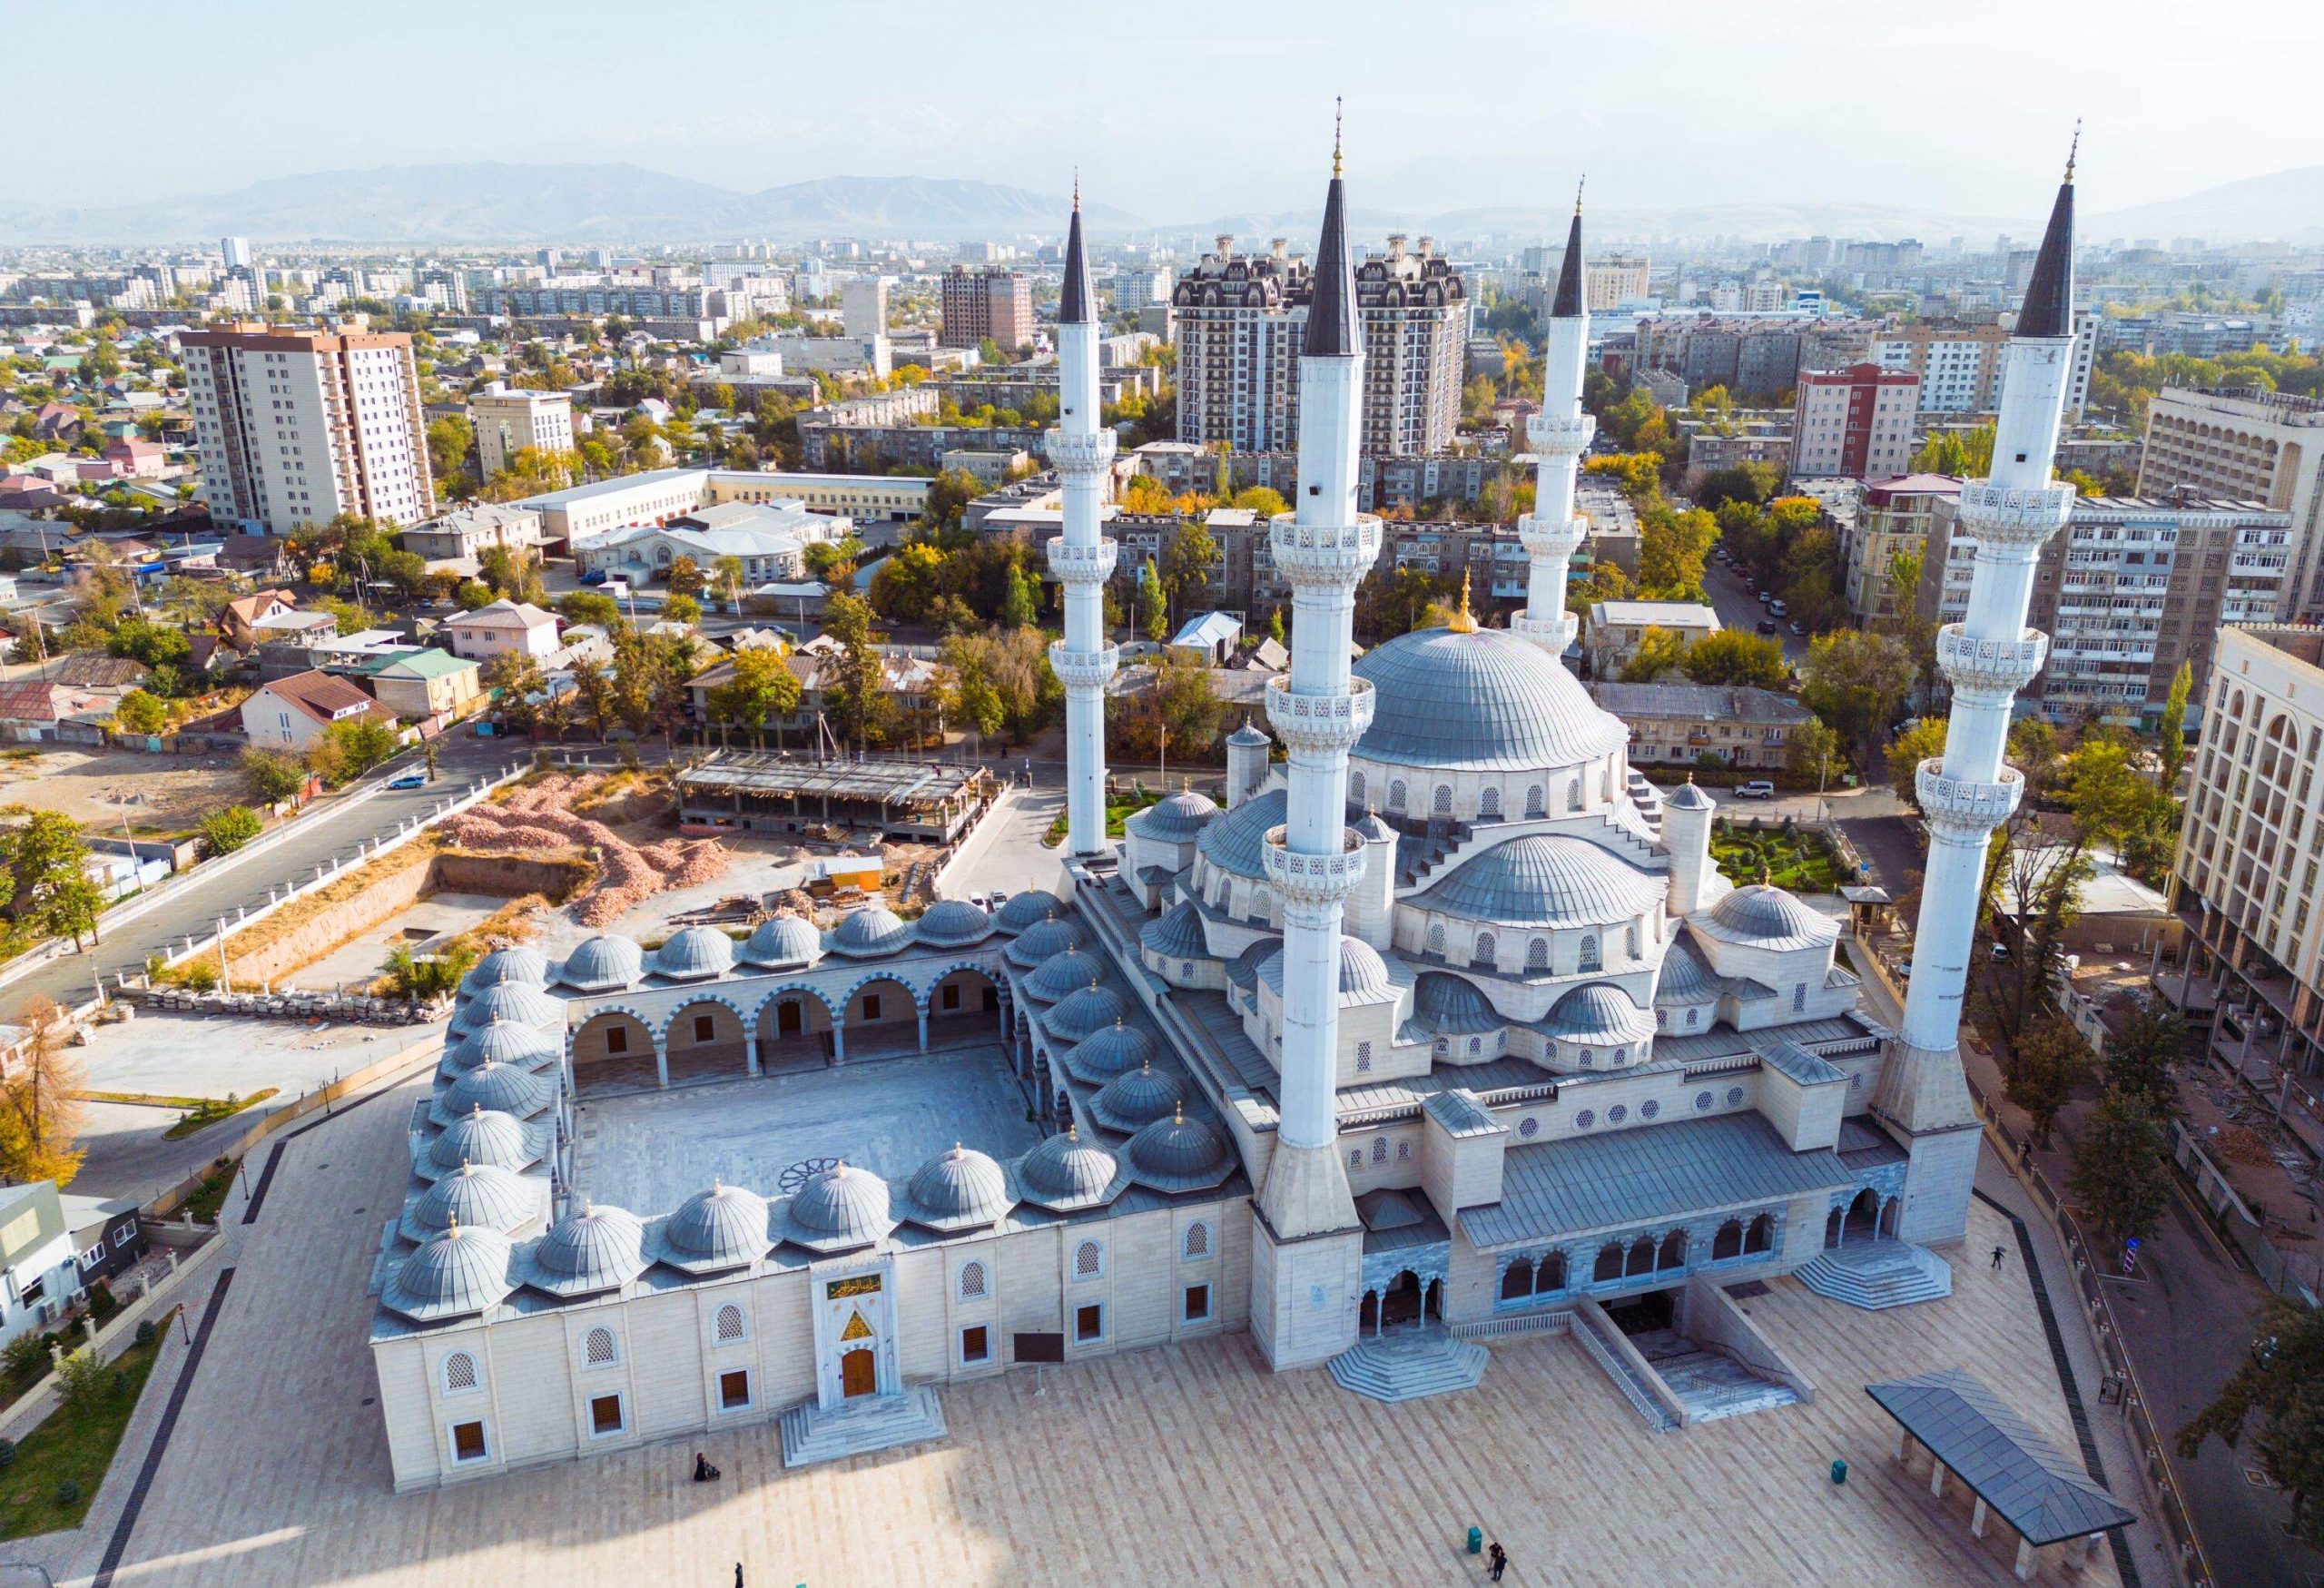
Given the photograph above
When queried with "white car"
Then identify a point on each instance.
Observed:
(1759, 789)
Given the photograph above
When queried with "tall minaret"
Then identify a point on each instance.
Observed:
(1082, 453)
(1560, 435)
(1969, 791)
(1309, 1244)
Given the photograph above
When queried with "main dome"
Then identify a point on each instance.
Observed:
(1486, 700)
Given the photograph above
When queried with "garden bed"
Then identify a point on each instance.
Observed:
(1119, 810)
(1797, 859)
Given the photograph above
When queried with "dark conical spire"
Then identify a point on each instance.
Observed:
(1078, 305)
(1334, 325)
(1568, 302)
(2049, 295)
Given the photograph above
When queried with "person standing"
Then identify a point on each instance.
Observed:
(1499, 1558)
(1997, 1254)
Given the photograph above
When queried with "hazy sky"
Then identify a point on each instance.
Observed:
(1175, 113)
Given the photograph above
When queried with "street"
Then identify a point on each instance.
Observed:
(1738, 605)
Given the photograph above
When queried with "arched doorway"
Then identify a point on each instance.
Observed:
(704, 1041)
(794, 1031)
(613, 1051)
(1862, 1222)
(858, 1372)
(1410, 1300)
(963, 1008)
(881, 1021)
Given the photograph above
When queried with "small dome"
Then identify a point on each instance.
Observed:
(1028, 908)
(1041, 941)
(952, 923)
(1084, 1013)
(1133, 1101)
(1061, 974)
(695, 954)
(1685, 977)
(1372, 829)
(961, 1187)
(1236, 842)
(1248, 737)
(481, 1136)
(1175, 818)
(1175, 933)
(1598, 1013)
(500, 1088)
(1114, 1051)
(600, 964)
(843, 1203)
(873, 930)
(1766, 916)
(480, 1196)
(783, 940)
(1177, 1148)
(723, 1226)
(515, 964)
(511, 1000)
(458, 1273)
(1363, 974)
(1545, 880)
(1066, 1171)
(1687, 797)
(1451, 1007)
(507, 1041)
(594, 1248)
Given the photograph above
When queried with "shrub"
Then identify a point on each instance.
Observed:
(80, 1379)
(7, 1451)
(147, 1333)
(68, 1492)
(199, 976)
(102, 1304)
(120, 1382)
(25, 1357)
(224, 832)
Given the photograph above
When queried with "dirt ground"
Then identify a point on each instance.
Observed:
(102, 788)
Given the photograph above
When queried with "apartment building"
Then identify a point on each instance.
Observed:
(1690, 725)
(1959, 362)
(1749, 355)
(1415, 311)
(2134, 587)
(1613, 281)
(296, 427)
(1855, 423)
(508, 420)
(977, 304)
(1893, 522)
(2249, 445)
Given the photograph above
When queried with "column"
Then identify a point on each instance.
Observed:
(662, 1060)
(1977, 1518)
(839, 1042)
(2026, 1557)
(923, 1012)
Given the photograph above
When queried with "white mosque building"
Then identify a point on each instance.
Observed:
(1444, 1026)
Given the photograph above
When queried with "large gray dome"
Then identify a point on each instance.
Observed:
(1236, 842)
(723, 1226)
(695, 953)
(507, 1041)
(593, 1249)
(1545, 880)
(957, 1189)
(1133, 1101)
(1084, 1013)
(1061, 974)
(481, 1136)
(1112, 1052)
(511, 1000)
(514, 963)
(1065, 1172)
(1041, 941)
(873, 930)
(1026, 908)
(477, 1196)
(1175, 818)
(1363, 974)
(1480, 700)
(952, 923)
(783, 940)
(504, 1089)
(458, 1274)
(843, 1205)
(1766, 916)
(600, 964)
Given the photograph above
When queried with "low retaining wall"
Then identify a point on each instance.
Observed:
(457, 871)
(355, 1008)
(116, 1336)
(1713, 1318)
(365, 897)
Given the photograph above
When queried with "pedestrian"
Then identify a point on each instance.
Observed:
(738, 1574)
(1499, 1557)
(1996, 1269)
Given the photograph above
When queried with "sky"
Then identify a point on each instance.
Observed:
(1174, 114)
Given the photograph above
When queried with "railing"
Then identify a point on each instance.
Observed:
(1645, 1405)
(1557, 1321)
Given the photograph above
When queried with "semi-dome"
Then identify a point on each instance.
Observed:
(501, 1089)
(482, 1136)
(1083, 1013)
(1102, 1055)
(1600, 1013)
(873, 930)
(514, 963)
(1248, 737)
(1178, 1153)
(1026, 908)
(507, 1041)
(694, 953)
(1041, 941)
(952, 923)
(1060, 974)
(1133, 1101)
(1545, 880)
(1480, 700)
(1236, 842)
(1451, 1007)
(1685, 977)
(841, 1205)
(1175, 933)
(591, 1249)
(722, 1228)
(457, 1274)
(782, 939)
(511, 1000)
(1764, 916)
(1175, 818)
(1066, 1172)
(1363, 974)
(601, 963)
(477, 1196)
(958, 1189)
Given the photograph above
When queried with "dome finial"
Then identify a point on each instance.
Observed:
(1179, 1112)
(1577, 192)
(1691, 778)
(1077, 189)
(1335, 137)
(1463, 623)
(2073, 148)
(454, 1230)
(1766, 878)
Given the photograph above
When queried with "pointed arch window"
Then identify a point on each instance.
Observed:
(1443, 806)
(1573, 794)
(1589, 960)
(1536, 804)
(1481, 955)
(1489, 804)
(1355, 788)
(1396, 794)
(1436, 937)
(1517, 1280)
(1537, 955)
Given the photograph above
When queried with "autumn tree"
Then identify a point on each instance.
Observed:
(2042, 1068)
(1660, 651)
(40, 1113)
(1854, 680)
(1737, 656)
(1923, 741)
(759, 685)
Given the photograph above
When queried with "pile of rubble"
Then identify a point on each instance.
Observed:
(346, 1007)
(537, 818)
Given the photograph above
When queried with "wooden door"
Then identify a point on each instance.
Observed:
(859, 1374)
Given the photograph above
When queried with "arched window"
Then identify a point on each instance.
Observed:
(1396, 794)
(1550, 1276)
(459, 1373)
(1573, 794)
(1517, 1280)
(1761, 1235)
(1641, 1258)
(1198, 1241)
(598, 1348)
(1609, 1262)
(1537, 955)
(727, 1324)
(1728, 1242)
(1088, 1260)
(1535, 804)
(1630, 939)
(1489, 803)
(1674, 1251)
(972, 1281)
(1476, 1046)
(1379, 1149)
(1482, 954)
(1443, 806)
(1355, 788)
(1436, 937)
(1692, 1016)
(1589, 960)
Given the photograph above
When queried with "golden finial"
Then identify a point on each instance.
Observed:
(1077, 189)
(454, 1230)
(2073, 148)
(1577, 192)
(1179, 1112)
(1691, 778)
(1463, 623)
(1335, 137)
(1072, 1132)
(1766, 878)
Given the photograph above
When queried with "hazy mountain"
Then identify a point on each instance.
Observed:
(2287, 205)
(490, 202)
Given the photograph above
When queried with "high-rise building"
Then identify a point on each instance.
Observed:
(863, 307)
(2246, 445)
(296, 427)
(1856, 422)
(1893, 521)
(506, 420)
(977, 304)
(1959, 362)
(1614, 281)
(237, 250)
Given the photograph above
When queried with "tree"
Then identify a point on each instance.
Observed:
(153, 643)
(140, 713)
(511, 572)
(1853, 681)
(907, 584)
(2040, 883)
(40, 1112)
(685, 577)
(42, 852)
(1154, 603)
(1023, 608)
(681, 609)
(2281, 1384)
(1754, 483)
(2139, 1058)
(451, 439)
(1923, 741)
(357, 746)
(2119, 1178)
(273, 776)
(2174, 726)
(225, 830)
(1182, 704)
(760, 685)
(2042, 1069)
(948, 496)
(1265, 500)
(1672, 549)
(1813, 750)
(589, 607)
(1963, 454)
(1396, 603)
(1660, 651)
(435, 976)
(1187, 558)
(1737, 656)
(726, 573)
(859, 706)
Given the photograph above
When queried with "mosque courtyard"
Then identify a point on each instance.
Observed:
(1189, 1464)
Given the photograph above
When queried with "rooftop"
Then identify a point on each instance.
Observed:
(889, 782)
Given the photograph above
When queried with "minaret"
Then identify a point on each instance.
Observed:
(1560, 435)
(1968, 791)
(1082, 453)
(1308, 1249)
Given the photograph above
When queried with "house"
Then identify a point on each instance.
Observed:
(97, 670)
(1208, 638)
(39, 1276)
(425, 683)
(501, 628)
(291, 714)
(39, 710)
(238, 620)
(28, 492)
(57, 421)
(1681, 724)
(769, 539)
(107, 1234)
(134, 460)
(1617, 628)
(466, 533)
(262, 557)
(912, 682)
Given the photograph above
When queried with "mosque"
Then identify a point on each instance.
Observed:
(1444, 1026)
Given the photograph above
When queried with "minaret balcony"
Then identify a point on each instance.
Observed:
(1079, 457)
(2014, 515)
(1555, 632)
(1956, 808)
(1994, 668)
(1081, 566)
(1313, 879)
(1552, 536)
(1084, 669)
(1560, 435)
(1333, 556)
(1319, 722)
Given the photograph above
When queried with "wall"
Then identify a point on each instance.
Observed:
(1711, 1317)
(363, 899)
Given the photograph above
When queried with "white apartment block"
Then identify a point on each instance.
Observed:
(296, 427)
(1959, 364)
(1855, 423)
(509, 419)
(2264, 445)
(1609, 282)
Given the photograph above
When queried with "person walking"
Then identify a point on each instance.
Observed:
(738, 1574)
(1499, 1558)
(1997, 1254)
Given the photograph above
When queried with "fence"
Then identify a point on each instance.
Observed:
(117, 1336)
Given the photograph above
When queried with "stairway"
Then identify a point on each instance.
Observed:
(1407, 1364)
(858, 1427)
(1709, 1384)
(1877, 1274)
(1626, 1379)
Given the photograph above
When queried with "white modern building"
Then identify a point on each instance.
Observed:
(508, 420)
(2246, 444)
(501, 628)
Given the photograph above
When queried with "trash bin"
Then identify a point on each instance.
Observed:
(1476, 1541)
(1839, 1473)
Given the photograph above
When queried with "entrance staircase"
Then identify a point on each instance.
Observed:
(1626, 1379)
(860, 1426)
(1709, 1384)
(1409, 1363)
(1877, 1273)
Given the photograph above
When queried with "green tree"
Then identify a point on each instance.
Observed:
(2140, 1057)
(1265, 500)
(227, 830)
(451, 439)
(589, 607)
(948, 496)
(272, 775)
(2041, 1070)
(2174, 726)
(761, 685)
(2119, 1178)
(1023, 606)
(43, 854)
(1672, 549)
(140, 713)
(153, 643)
(1737, 656)
(1660, 651)
(681, 609)
(1813, 750)
(360, 742)
(1923, 741)
(1181, 703)
(859, 706)
(685, 577)
(1154, 603)
(1963, 454)
(1186, 558)
(907, 584)
(2280, 1385)
(1854, 679)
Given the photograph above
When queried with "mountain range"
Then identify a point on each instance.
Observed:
(622, 203)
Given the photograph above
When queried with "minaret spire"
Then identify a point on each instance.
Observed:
(1560, 434)
(1334, 327)
(2048, 310)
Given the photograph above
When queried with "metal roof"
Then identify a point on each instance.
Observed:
(1461, 1114)
(1647, 1174)
(1488, 699)
(1567, 304)
(2037, 1488)
(1704, 703)
(1781, 1054)
(889, 782)
(1545, 880)
(2048, 310)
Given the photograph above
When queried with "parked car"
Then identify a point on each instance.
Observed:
(1780, 609)
(1758, 789)
(1767, 626)
(594, 577)
(1795, 628)
(1766, 598)
(410, 780)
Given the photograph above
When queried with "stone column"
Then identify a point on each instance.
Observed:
(662, 1060)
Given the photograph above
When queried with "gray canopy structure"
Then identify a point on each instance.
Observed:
(2030, 1483)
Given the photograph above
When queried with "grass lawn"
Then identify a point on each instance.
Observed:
(1118, 811)
(210, 1195)
(1792, 858)
(208, 1111)
(76, 1446)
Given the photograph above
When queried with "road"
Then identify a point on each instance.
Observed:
(1738, 605)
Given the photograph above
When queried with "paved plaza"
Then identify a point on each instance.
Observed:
(1182, 1464)
(649, 1150)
